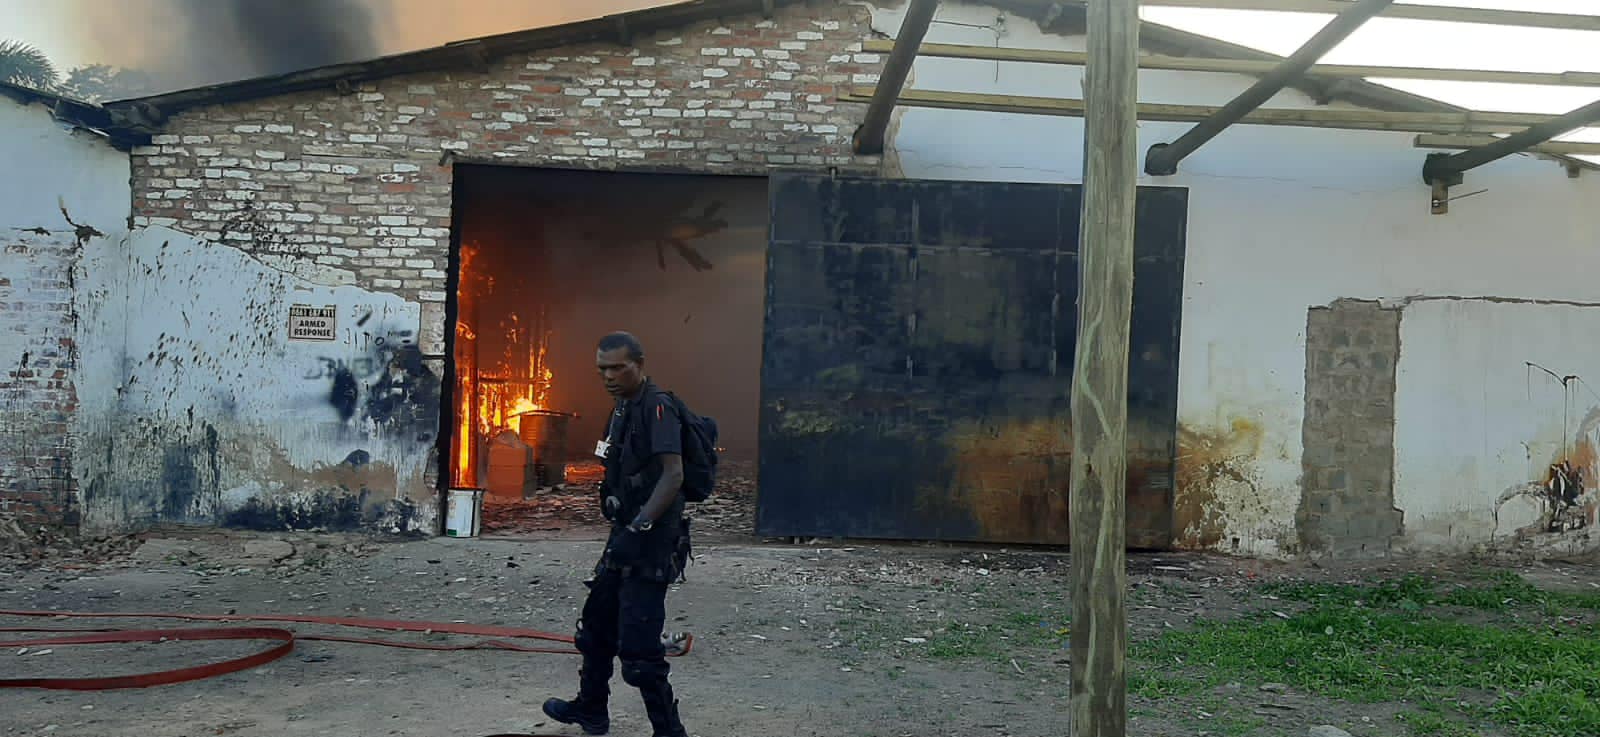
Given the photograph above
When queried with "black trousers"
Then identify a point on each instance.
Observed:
(622, 619)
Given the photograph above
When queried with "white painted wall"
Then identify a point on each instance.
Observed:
(49, 165)
(1475, 423)
(207, 401)
(1281, 219)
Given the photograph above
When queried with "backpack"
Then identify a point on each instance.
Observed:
(699, 451)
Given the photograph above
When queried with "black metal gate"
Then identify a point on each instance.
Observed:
(918, 356)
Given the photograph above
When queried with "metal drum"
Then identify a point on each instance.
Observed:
(545, 431)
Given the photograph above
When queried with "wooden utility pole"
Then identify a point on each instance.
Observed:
(1100, 372)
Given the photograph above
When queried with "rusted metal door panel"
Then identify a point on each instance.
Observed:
(918, 357)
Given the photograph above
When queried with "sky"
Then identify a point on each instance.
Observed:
(76, 32)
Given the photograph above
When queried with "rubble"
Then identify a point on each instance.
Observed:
(51, 546)
(730, 510)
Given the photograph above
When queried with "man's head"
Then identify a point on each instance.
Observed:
(620, 358)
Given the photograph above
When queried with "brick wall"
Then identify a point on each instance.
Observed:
(37, 396)
(358, 185)
(1347, 499)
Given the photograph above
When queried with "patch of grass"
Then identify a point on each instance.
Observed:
(1501, 591)
(1399, 641)
(1435, 724)
(1011, 635)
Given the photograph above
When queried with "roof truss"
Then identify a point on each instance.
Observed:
(1528, 133)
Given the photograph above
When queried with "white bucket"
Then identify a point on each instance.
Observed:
(463, 513)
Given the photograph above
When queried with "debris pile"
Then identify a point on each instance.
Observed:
(730, 510)
(45, 545)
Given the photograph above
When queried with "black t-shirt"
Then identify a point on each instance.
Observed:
(649, 427)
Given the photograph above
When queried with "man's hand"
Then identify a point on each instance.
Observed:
(627, 546)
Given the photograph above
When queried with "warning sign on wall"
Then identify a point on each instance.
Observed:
(310, 323)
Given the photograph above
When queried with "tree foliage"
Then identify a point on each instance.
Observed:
(24, 64)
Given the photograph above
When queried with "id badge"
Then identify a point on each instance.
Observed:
(602, 448)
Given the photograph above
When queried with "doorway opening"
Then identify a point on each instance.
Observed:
(550, 260)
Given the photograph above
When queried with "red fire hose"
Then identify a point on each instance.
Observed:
(285, 639)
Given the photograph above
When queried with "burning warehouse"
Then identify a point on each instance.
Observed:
(884, 333)
(547, 265)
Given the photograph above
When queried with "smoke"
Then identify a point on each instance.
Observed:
(281, 35)
(189, 43)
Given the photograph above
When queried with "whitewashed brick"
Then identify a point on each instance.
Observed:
(714, 51)
(745, 53)
(577, 91)
(644, 61)
(403, 168)
(715, 72)
(370, 97)
(792, 45)
(279, 128)
(513, 117)
(809, 36)
(666, 112)
(410, 110)
(163, 140)
(774, 54)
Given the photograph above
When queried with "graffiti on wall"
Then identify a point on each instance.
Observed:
(378, 378)
(1566, 495)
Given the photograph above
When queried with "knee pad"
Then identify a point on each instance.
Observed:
(586, 642)
(643, 673)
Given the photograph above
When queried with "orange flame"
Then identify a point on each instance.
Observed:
(493, 398)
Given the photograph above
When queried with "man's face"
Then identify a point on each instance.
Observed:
(622, 375)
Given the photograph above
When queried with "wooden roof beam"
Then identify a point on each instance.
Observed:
(1163, 158)
(1322, 117)
(1459, 142)
(1250, 66)
(1445, 13)
(869, 137)
(1447, 169)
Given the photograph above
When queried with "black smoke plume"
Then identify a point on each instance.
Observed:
(261, 37)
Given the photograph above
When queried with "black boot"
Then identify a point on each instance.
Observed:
(588, 710)
(663, 712)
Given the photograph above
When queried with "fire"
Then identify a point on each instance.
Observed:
(493, 398)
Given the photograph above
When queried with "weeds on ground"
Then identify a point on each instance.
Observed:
(1404, 641)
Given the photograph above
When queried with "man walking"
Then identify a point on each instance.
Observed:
(626, 607)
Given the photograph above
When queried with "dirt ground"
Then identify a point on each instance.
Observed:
(859, 639)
